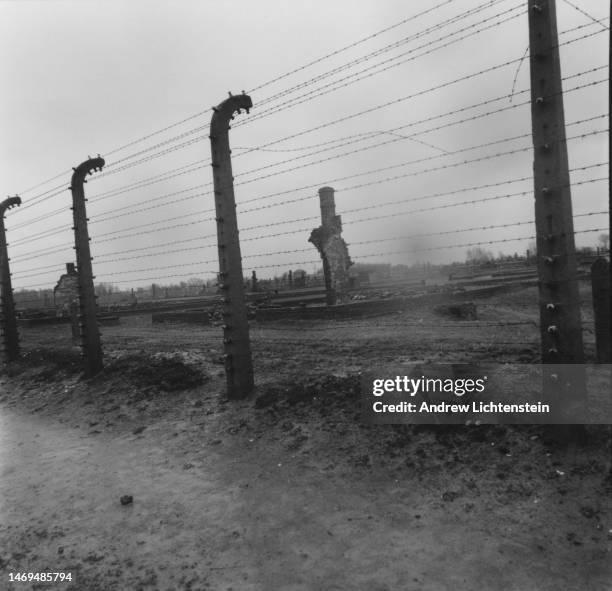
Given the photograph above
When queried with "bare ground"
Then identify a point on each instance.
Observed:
(288, 490)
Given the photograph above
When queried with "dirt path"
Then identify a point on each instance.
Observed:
(234, 517)
(60, 494)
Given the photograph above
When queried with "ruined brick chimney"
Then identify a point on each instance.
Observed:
(328, 206)
(66, 290)
(332, 248)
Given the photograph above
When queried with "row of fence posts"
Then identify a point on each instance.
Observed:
(559, 303)
(236, 341)
(235, 326)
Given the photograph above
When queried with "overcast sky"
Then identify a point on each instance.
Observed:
(84, 77)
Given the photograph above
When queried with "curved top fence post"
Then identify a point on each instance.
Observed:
(236, 341)
(10, 336)
(90, 334)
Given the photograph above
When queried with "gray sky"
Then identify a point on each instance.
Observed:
(86, 77)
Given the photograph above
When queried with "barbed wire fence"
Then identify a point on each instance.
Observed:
(152, 220)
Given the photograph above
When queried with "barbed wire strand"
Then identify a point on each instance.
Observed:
(148, 136)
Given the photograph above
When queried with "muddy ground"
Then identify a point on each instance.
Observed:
(289, 490)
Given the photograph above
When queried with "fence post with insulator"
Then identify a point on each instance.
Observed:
(600, 285)
(88, 308)
(236, 340)
(10, 336)
(559, 302)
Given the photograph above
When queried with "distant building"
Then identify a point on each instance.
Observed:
(299, 278)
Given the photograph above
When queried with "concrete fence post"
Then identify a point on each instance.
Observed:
(600, 284)
(560, 323)
(236, 340)
(10, 336)
(90, 333)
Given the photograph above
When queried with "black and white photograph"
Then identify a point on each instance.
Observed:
(305, 296)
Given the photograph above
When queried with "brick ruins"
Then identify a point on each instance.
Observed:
(332, 248)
